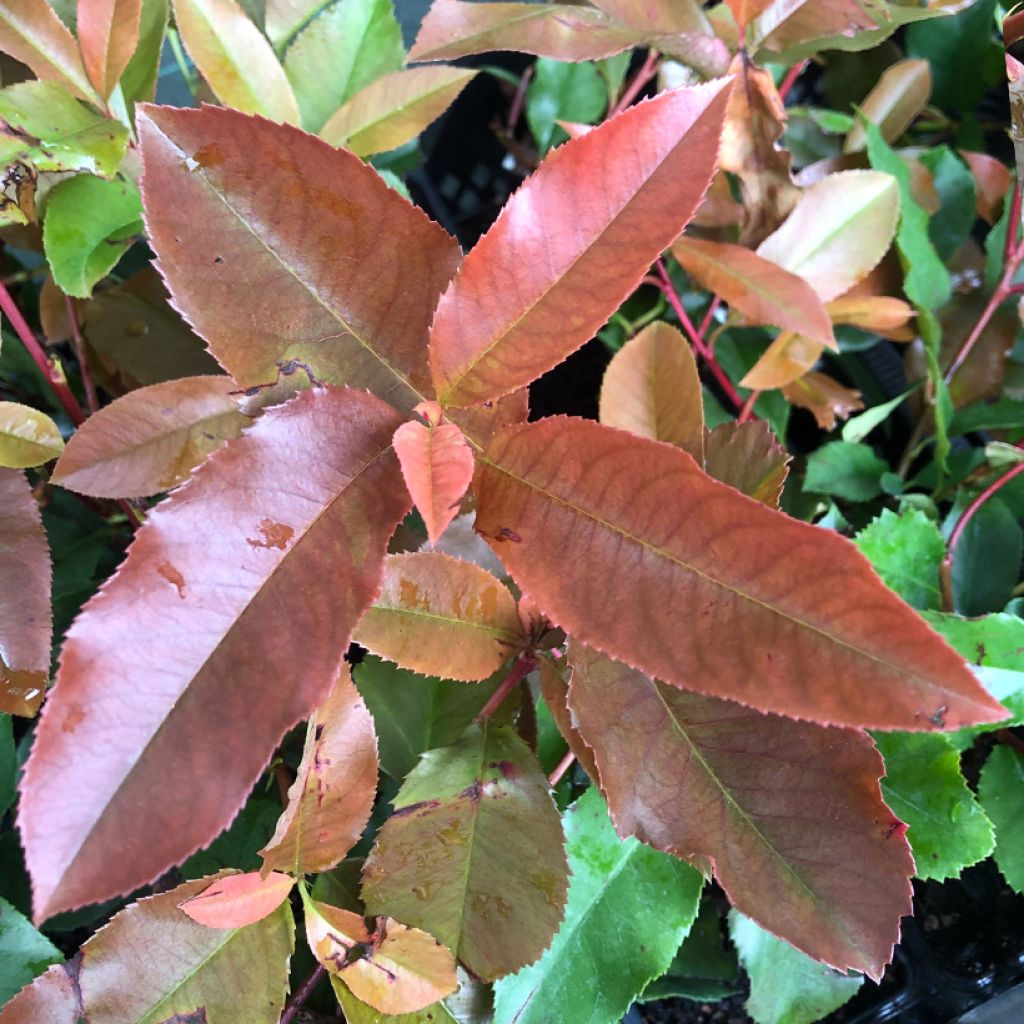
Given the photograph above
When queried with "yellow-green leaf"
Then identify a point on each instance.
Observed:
(27, 437)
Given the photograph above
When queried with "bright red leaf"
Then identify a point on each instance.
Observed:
(236, 901)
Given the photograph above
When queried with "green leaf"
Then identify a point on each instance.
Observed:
(239, 845)
(89, 223)
(986, 561)
(858, 427)
(473, 853)
(343, 48)
(786, 986)
(8, 764)
(1003, 414)
(1001, 791)
(51, 130)
(951, 226)
(27, 437)
(24, 952)
(703, 968)
(562, 92)
(414, 713)
(963, 53)
(906, 551)
(629, 908)
(927, 282)
(948, 831)
(850, 471)
(138, 82)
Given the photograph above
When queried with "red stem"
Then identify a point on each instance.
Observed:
(516, 109)
(980, 500)
(561, 768)
(1014, 255)
(53, 376)
(664, 282)
(647, 71)
(790, 80)
(709, 317)
(519, 671)
(748, 407)
(78, 343)
(304, 991)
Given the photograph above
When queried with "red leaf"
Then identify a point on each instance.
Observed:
(274, 248)
(52, 998)
(150, 439)
(26, 623)
(629, 547)
(108, 31)
(331, 800)
(789, 814)
(572, 243)
(437, 465)
(207, 645)
(748, 457)
(235, 901)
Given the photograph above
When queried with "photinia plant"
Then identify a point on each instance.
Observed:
(351, 460)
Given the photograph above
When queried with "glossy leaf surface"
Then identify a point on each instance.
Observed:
(839, 230)
(26, 623)
(24, 952)
(330, 801)
(900, 94)
(27, 437)
(786, 985)
(572, 243)
(236, 901)
(234, 58)
(788, 814)
(1002, 795)
(395, 108)
(152, 962)
(453, 28)
(442, 617)
(651, 388)
(395, 969)
(906, 550)
(151, 439)
(31, 32)
(762, 291)
(51, 130)
(108, 31)
(205, 581)
(294, 264)
(629, 907)
(947, 829)
(800, 604)
(437, 464)
(473, 853)
(787, 358)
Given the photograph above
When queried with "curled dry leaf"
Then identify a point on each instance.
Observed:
(762, 291)
(652, 388)
(787, 358)
(789, 814)
(571, 505)
(748, 457)
(437, 464)
(26, 622)
(235, 58)
(395, 969)
(899, 95)
(839, 230)
(108, 31)
(236, 901)
(395, 108)
(151, 439)
(312, 278)
(27, 437)
(331, 799)
(453, 29)
(442, 617)
(474, 853)
(152, 963)
(827, 399)
(558, 260)
(134, 726)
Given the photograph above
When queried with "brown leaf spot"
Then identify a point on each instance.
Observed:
(938, 719)
(895, 828)
(195, 1017)
(173, 577)
(209, 155)
(506, 534)
(75, 714)
(275, 535)
(507, 768)
(412, 808)
(473, 792)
